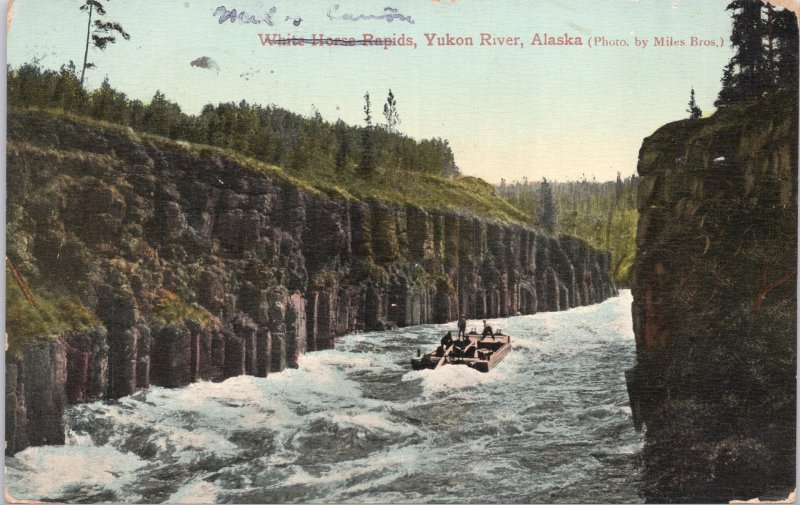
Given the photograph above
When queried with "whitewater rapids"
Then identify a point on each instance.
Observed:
(551, 423)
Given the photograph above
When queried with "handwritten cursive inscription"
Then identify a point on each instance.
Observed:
(233, 16)
(389, 15)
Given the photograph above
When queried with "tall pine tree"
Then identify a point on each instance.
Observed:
(745, 75)
(103, 33)
(390, 112)
(784, 27)
(344, 149)
(368, 163)
(548, 212)
(764, 40)
(694, 111)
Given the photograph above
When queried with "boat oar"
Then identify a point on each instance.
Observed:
(444, 355)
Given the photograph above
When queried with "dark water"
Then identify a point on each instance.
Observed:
(550, 424)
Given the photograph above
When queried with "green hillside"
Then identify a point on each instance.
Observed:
(602, 213)
(306, 151)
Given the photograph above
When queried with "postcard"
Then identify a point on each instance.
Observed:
(413, 251)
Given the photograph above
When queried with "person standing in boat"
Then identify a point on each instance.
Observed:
(487, 330)
(462, 326)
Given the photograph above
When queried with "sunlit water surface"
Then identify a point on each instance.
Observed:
(551, 423)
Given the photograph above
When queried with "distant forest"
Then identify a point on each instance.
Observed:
(267, 133)
(603, 213)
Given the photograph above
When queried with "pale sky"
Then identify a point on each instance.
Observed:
(510, 112)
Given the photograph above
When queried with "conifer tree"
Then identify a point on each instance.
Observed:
(744, 76)
(367, 110)
(390, 112)
(548, 213)
(367, 164)
(103, 33)
(765, 43)
(784, 27)
(68, 92)
(344, 149)
(747, 38)
(694, 111)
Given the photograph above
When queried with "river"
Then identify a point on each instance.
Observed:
(551, 423)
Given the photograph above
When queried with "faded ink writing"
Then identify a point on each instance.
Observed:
(389, 15)
(233, 16)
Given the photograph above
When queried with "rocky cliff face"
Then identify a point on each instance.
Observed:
(199, 268)
(714, 307)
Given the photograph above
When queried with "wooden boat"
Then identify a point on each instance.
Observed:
(482, 353)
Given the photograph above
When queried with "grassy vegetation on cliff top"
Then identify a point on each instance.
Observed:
(428, 191)
(308, 152)
(740, 130)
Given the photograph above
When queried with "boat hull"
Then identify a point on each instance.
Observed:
(490, 352)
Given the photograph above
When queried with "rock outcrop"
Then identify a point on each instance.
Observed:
(200, 268)
(714, 308)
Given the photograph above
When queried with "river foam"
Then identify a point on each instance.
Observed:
(355, 424)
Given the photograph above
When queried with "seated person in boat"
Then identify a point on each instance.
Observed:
(447, 339)
(458, 348)
(487, 330)
(463, 348)
(466, 352)
(446, 342)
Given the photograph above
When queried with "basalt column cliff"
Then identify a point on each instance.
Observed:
(714, 307)
(189, 266)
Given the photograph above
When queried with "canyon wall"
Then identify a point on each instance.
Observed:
(201, 269)
(714, 308)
